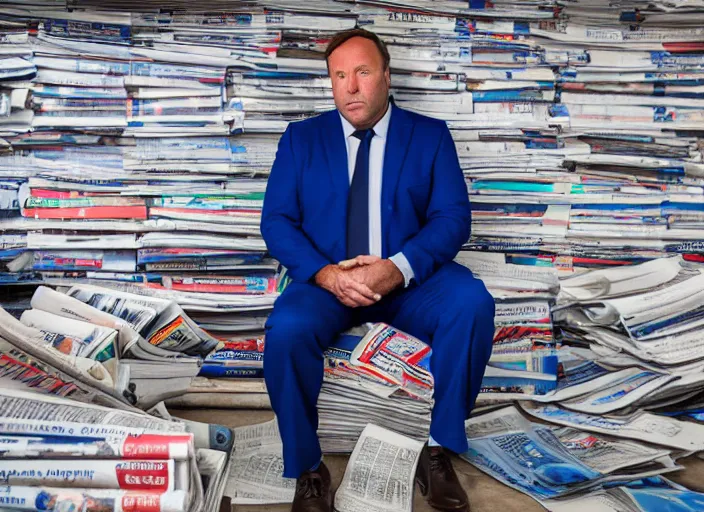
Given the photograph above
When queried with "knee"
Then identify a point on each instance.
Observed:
(282, 329)
(290, 334)
(472, 301)
(484, 302)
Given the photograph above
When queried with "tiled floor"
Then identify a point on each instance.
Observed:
(485, 493)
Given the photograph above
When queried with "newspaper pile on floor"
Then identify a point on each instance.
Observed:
(587, 461)
(141, 349)
(374, 374)
(380, 378)
(58, 453)
(60, 405)
(644, 324)
(383, 378)
(627, 339)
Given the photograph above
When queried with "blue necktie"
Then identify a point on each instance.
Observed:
(358, 199)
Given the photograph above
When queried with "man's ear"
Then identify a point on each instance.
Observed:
(387, 76)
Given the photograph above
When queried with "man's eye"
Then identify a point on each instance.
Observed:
(365, 73)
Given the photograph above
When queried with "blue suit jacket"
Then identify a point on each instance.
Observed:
(425, 207)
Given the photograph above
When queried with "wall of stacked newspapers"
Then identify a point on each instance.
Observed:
(135, 143)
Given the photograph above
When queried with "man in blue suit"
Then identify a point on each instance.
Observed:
(367, 206)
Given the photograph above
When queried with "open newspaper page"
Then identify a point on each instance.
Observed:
(502, 444)
(606, 456)
(257, 467)
(380, 475)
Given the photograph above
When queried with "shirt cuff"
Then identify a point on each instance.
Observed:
(402, 263)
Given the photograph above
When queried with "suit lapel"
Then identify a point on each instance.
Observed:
(397, 143)
(336, 154)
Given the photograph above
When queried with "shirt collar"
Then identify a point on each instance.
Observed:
(381, 128)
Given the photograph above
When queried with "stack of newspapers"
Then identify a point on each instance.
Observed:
(71, 435)
(59, 454)
(382, 377)
(644, 324)
(618, 340)
(582, 463)
(116, 166)
(138, 348)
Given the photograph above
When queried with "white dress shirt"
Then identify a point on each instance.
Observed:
(376, 167)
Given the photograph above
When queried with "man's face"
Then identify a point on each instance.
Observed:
(360, 84)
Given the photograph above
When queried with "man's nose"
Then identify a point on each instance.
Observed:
(352, 83)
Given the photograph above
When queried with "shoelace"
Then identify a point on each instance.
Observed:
(441, 463)
(310, 487)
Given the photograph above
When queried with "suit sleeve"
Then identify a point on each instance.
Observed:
(282, 216)
(449, 217)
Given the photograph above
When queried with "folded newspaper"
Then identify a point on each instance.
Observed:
(397, 358)
(30, 360)
(163, 324)
(150, 345)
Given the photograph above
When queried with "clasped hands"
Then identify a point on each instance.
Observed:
(361, 281)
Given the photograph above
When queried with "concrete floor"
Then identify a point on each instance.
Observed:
(485, 493)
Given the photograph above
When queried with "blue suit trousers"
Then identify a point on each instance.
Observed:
(451, 310)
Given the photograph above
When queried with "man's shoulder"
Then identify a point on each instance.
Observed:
(313, 123)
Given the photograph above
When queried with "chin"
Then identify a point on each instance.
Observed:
(358, 116)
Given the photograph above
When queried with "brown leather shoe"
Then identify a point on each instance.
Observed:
(313, 491)
(438, 481)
